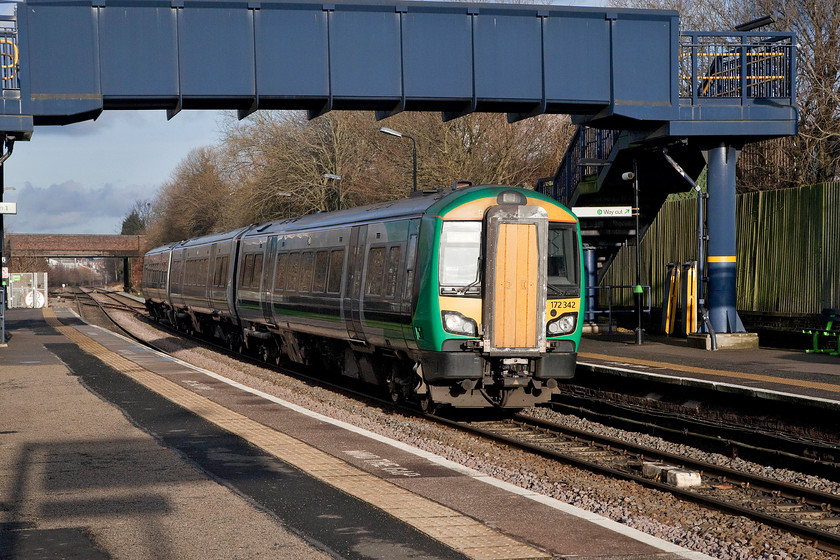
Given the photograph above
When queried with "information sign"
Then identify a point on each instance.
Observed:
(8, 207)
(603, 211)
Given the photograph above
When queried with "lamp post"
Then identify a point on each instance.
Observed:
(337, 179)
(637, 290)
(288, 197)
(392, 132)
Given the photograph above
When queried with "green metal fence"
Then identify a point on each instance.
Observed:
(788, 249)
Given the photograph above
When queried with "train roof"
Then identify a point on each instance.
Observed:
(414, 206)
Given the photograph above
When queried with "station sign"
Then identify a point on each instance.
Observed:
(603, 211)
(8, 207)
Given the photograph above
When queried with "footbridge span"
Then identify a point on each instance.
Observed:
(65, 61)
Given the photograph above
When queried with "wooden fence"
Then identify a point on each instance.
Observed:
(788, 249)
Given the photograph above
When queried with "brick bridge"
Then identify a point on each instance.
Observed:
(83, 246)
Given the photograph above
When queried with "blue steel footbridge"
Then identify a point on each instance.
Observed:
(700, 96)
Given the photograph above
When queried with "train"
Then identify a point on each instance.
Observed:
(468, 296)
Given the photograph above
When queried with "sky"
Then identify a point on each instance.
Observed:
(86, 177)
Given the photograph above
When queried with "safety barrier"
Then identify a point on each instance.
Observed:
(744, 65)
(9, 56)
(679, 304)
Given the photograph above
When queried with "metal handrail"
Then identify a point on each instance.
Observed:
(587, 147)
(609, 310)
(726, 65)
(9, 58)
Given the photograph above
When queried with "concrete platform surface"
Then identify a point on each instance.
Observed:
(234, 473)
(760, 372)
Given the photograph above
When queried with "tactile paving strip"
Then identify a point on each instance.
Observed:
(443, 524)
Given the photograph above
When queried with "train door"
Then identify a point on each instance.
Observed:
(267, 293)
(515, 275)
(210, 282)
(353, 283)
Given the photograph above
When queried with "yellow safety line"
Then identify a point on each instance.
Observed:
(441, 523)
(720, 373)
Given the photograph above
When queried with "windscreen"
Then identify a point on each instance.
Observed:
(563, 260)
(460, 249)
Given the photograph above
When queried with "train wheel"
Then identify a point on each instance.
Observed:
(396, 391)
(427, 405)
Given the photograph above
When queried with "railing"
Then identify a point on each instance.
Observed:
(8, 53)
(737, 65)
(591, 294)
(588, 151)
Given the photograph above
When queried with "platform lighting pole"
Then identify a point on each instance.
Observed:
(392, 132)
(337, 179)
(637, 290)
(10, 145)
(288, 197)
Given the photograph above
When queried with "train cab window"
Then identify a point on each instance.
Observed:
(375, 271)
(336, 270)
(292, 274)
(321, 263)
(280, 272)
(563, 260)
(391, 271)
(460, 249)
(307, 263)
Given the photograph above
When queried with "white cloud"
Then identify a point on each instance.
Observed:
(71, 208)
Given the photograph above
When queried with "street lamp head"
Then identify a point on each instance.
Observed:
(332, 176)
(390, 131)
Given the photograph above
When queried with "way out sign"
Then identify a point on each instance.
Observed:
(603, 211)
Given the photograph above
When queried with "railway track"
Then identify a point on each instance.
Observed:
(810, 514)
(767, 446)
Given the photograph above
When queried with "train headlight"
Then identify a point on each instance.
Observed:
(455, 323)
(564, 324)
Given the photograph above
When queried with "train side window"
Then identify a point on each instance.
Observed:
(294, 267)
(336, 270)
(307, 262)
(221, 271)
(280, 272)
(375, 271)
(394, 254)
(247, 271)
(321, 262)
(257, 272)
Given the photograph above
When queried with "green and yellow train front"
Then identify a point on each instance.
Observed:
(499, 311)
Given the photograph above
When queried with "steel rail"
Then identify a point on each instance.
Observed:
(624, 452)
(809, 456)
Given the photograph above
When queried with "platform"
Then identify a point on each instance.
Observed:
(766, 373)
(304, 485)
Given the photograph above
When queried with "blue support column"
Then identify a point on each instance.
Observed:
(721, 247)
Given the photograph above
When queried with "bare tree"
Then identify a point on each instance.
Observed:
(193, 202)
(277, 160)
